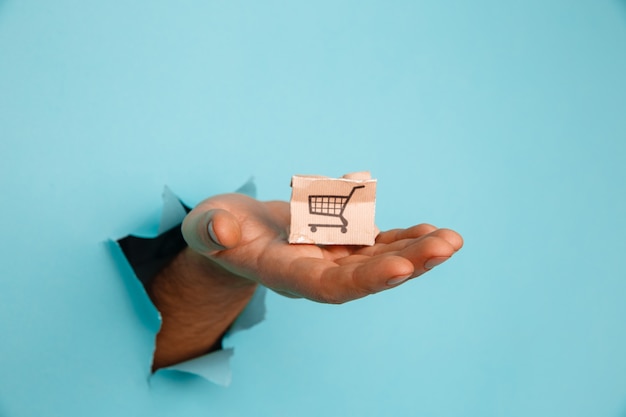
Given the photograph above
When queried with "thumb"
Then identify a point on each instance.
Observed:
(209, 231)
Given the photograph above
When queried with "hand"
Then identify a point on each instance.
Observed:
(236, 241)
(235, 235)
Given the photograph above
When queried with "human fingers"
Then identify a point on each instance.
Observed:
(361, 175)
(448, 235)
(409, 233)
(452, 237)
(391, 268)
(397, 262)
(427, 252)
(325, 281)
(212, 230)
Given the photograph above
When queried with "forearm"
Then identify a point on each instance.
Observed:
(198, 301)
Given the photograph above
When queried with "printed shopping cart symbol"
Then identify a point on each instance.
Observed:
(330, 205)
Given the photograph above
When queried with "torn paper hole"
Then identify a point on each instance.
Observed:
(147, 256)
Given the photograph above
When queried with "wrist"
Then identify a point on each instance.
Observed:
(198, 300)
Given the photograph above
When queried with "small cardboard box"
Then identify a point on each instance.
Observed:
(333, 211)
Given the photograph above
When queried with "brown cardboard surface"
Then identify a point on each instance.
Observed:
(333, 211)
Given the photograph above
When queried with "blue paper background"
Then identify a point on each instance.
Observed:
(503, 120)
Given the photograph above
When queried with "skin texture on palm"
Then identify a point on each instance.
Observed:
(236, 242)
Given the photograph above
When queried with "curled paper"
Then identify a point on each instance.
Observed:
(146, 257)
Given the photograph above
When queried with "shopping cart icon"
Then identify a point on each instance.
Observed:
(330, 205)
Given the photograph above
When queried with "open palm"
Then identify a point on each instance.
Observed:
(248, 238)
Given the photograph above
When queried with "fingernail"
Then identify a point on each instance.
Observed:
(398, 280)
(433, 262)
(212, 234)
